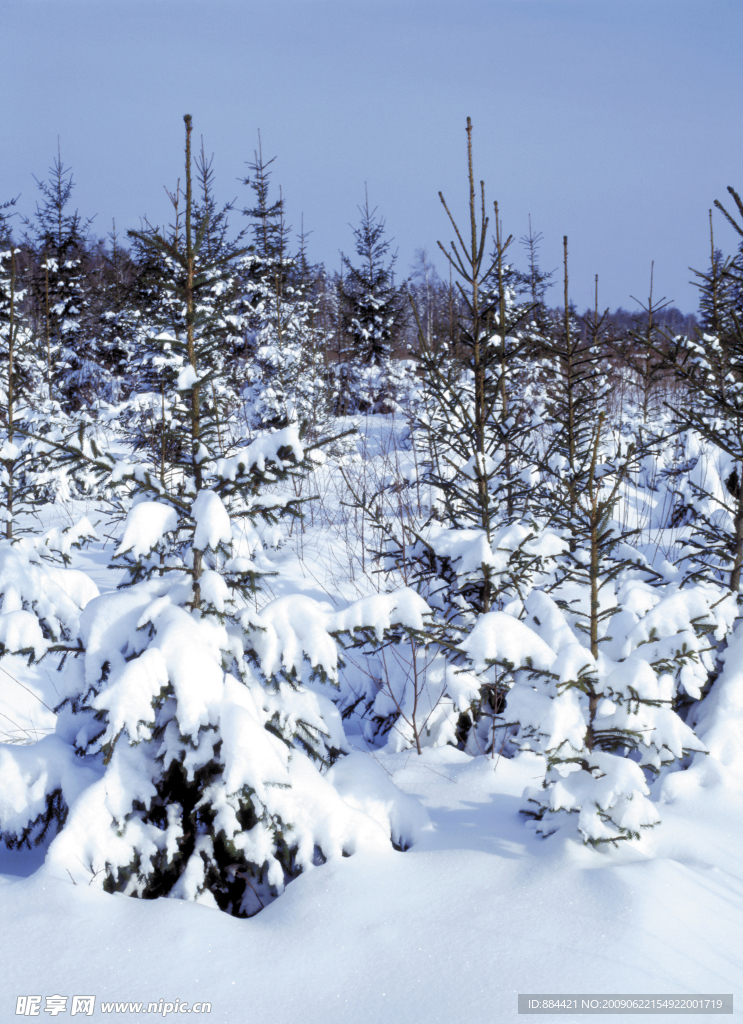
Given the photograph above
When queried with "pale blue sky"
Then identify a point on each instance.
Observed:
(614, 121)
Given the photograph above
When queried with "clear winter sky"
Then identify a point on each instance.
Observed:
(617, 122)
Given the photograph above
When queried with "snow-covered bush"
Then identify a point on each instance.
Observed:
(606, 725)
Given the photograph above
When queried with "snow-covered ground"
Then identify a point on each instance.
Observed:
(451, 930)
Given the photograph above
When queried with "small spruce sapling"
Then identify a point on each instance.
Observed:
(603, 710)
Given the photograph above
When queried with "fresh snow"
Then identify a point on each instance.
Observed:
(478, 910)
(146, 524)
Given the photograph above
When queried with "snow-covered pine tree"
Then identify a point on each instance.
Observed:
(40, 602)
(473, 427)
(58, 239)
(156, 413)
(115, 320)
(707, 516)
(709, 495)
(374, 314)
(730, 300)
(288, 378)
(643, 349)
(311, 289)
(27, 479)
(602, 709)
(464, 534)
(478, 423)
(20, 378)
(717, 290)
(534, 282)
(187, 750)
(9, 344)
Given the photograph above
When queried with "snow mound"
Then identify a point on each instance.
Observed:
(364, 784)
